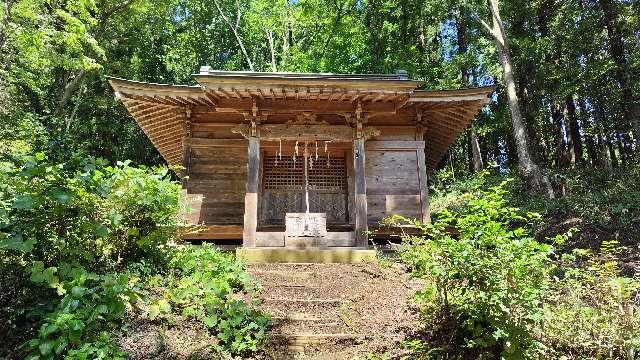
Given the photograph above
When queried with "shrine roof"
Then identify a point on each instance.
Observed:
(162, 110)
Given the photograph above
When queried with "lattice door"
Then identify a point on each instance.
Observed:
(283, 188)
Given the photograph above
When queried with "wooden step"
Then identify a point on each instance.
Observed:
(302, 292)
(281, 307)
(308, 324)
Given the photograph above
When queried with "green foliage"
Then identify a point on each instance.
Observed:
(89, 306)
(85, 215)
(206, 286)
(97, 216)
(592, 310)
(483, 276)
(586, 306)
(605, 197)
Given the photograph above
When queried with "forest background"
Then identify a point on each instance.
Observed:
(576, 67)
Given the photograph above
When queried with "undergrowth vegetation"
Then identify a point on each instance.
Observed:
(81, 242)
(205, 285)
(600, 204)
(496, 290)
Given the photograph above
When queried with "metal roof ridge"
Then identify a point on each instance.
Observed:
(207, 71)
(128, 81)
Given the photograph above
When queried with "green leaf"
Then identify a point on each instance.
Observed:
(154, 311)
(101, 230)
(17, 243)
(115, 218)
(46, 347)
(77, 325)
(210, 321)
(60, 195)
(49, 329)
(164, 306)
(23, 202)
(78, 291)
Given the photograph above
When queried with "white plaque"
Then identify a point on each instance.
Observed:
(306, 224)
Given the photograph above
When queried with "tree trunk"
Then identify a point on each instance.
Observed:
(575, 141)
(612, 152)
(534, 176)
(561, 157)
(68, 91)
(474, 145)
(592, 140)
(621, 72)
(621, 148)
(476, 152)
(234, 29)
(604, 142)
(271, 40)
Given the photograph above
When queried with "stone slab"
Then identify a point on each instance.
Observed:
(306, 224)
(279, 255)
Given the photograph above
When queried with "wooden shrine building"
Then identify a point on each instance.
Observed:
(290, 160)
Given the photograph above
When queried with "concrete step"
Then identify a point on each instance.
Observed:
(317, 338)
(298, 343)
(326, 256)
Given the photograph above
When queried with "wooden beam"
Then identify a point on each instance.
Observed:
(360, 189)
(225, 93)
(411, 145)
(289, 106)
(147, 100)
(251, 196)
(424, 187)
(186, 151)
(480, 97)
(226, 143)
(237, 92)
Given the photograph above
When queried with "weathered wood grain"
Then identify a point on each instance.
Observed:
(360, 190)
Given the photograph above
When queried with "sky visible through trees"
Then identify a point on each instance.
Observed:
(576, 66)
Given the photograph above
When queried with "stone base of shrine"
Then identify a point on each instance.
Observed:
(282, 239)
(326, 256)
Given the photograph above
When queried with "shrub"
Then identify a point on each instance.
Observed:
(89, 215)
(208, 287)
(592, 311)
(485, 280)
(89, 305)
(97, 215)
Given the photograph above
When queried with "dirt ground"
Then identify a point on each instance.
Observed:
(349, 312)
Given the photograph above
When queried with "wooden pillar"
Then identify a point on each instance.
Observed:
(422, 172)
(186, 158)
(424, 187)
(360, 186)
(251, 195)
(186, 147)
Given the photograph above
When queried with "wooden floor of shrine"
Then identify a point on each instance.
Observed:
(229, 237)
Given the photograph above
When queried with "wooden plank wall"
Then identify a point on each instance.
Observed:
(218, 174)
(217, 179)
(392, 175)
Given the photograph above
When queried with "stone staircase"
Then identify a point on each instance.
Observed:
(332, 311)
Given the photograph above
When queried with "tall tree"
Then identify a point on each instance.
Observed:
(621, 73)
(536, 179)
(461, 35)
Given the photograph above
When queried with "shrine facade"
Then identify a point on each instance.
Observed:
(292, 160)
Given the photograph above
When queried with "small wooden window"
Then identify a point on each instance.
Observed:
(287, 174)
(331, 176)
